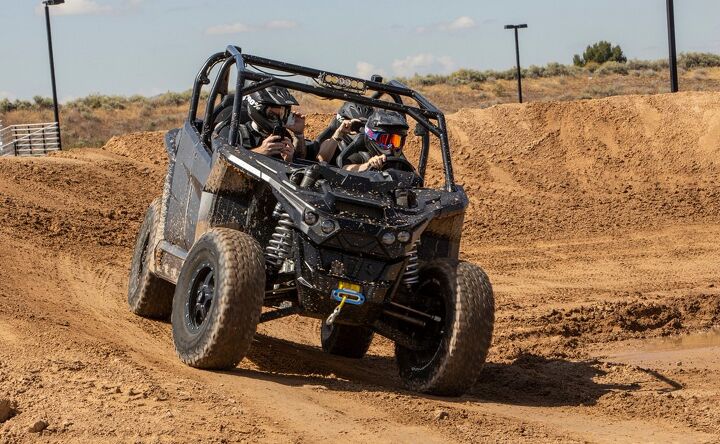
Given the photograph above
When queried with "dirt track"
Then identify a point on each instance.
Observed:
(597, 221)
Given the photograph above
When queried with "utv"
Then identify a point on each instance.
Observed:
(239, 238)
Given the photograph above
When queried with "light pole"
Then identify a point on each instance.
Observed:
(517, 57)
(47, 4)
(671, 45)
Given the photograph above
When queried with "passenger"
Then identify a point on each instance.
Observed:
(342, 130)
(270, 111)
(383, 137)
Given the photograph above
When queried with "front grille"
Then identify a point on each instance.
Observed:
(359, 210)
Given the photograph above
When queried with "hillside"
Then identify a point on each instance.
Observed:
(91, 121)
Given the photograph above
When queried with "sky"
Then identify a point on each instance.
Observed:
(153, 46)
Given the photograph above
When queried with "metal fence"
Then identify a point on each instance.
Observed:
(34, 139)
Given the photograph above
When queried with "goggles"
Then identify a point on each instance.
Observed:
(386, 140)
(273, 113)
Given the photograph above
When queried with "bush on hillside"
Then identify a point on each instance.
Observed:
(612, 68)
(600, 53)
(692, 60)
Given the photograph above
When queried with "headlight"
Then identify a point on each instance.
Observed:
(310, 217)
(403, 236)
(327, 226)
(388, 238)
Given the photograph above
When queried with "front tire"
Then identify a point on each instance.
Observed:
(460, 294)
(218, 299)
(148, 295)
(349, 341)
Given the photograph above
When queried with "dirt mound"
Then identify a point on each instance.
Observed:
(546, 170)
(144, 147)
(560, 332)
(84, 200)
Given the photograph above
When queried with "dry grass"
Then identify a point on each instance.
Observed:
(92, 125)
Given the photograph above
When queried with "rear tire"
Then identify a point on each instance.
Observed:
(218, 299)
(148, 295)
(349, 341)
(461, 294)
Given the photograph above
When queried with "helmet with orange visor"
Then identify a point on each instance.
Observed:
(385, 132)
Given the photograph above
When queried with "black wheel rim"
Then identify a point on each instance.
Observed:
(430, 298)
(200, 296)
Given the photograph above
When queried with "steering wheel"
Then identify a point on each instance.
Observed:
(398, 163)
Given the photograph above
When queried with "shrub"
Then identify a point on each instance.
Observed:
(173, 98)
(466, 76)
(555, 69)
(592, 66)
(600, 53)
(692, 60)
(498, 89)
(612, 68)
(644, 65)
(98, 101)
(43, 102)
(534, 71)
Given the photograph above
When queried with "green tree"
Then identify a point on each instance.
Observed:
(600, 53)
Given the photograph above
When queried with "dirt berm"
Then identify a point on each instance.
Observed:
(597, 221)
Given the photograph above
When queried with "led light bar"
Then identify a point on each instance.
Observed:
(335, 81)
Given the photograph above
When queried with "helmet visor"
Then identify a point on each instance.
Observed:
(277, 113)
(386, 140)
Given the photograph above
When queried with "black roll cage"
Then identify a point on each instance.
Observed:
(424, 113)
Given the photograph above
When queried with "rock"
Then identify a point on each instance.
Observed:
(440, 414)
(8, 409)
(38, 427)
(314, 387)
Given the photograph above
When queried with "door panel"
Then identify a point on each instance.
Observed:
(182, 207)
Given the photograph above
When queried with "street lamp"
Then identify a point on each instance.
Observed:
(671, 45)
(517, 56)
(47, 4)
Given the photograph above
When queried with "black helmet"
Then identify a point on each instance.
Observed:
(351, 110)
(385, 132)
(258, 102)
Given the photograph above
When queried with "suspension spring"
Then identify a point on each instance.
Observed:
(412, 270)
(280, 246)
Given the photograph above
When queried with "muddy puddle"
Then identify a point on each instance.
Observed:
(700, 350)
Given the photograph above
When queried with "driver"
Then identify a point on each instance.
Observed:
(270, 131)
(384, 137)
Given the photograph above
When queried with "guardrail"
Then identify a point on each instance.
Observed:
(34, 139)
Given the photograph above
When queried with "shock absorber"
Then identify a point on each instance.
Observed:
(280, 246)
(412, 269)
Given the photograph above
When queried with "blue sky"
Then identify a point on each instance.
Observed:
(152, 46)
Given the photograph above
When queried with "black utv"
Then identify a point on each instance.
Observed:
(239, 238)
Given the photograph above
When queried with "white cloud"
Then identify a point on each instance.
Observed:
(77, 7)
(7, 95)
(233, 28)
(459, 24)
(422, 64)
(463, 22)
(364, 70)
(236, 28)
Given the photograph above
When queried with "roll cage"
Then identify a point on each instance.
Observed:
(327, 85)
